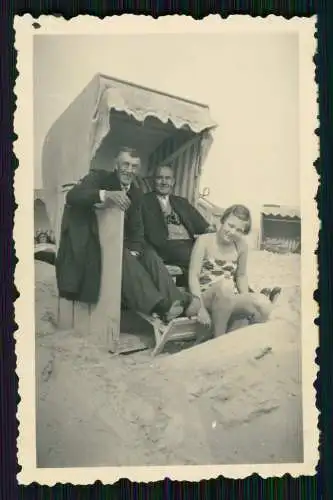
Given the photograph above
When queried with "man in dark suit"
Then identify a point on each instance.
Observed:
(146, 284)
(171, 222)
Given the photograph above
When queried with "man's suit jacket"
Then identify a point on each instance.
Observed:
(78, 263)
(155, 227)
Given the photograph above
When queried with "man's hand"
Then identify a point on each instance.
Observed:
(118, 198)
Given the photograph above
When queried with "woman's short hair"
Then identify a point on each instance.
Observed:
(40, 235)
(242, 213)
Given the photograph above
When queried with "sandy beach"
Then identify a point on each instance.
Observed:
(236, 399)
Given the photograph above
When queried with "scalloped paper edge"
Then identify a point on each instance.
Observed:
(23, 235)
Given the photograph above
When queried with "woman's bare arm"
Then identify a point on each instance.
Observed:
(197, 256)
(242, 281)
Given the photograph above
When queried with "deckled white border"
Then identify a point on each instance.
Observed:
(23, 234)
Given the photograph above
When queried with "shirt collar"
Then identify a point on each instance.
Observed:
(163, 199)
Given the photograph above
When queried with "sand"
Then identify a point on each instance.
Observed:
(236, 399)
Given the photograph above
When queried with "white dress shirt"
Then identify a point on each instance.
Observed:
(176, 231)
(164, 202)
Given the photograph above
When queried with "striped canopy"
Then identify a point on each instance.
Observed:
(281, 211)
(110, 113)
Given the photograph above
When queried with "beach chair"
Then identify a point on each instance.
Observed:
(177, 330)
(164, 129)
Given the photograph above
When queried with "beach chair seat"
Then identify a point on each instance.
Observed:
(176, 273)
(174, 270)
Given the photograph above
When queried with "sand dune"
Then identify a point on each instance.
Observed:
(236, 399)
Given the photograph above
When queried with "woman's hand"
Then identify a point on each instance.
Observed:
(204, 317)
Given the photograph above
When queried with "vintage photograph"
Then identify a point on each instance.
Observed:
(171, 222)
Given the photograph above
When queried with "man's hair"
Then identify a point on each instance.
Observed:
(241, 212)
(131, 151)
(158, 168)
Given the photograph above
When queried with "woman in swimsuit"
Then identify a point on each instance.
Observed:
(218, 275)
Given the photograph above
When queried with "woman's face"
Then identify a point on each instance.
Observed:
(232, 229)
(42, 238)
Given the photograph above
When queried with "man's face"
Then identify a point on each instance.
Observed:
(164, 181)
(127, 166)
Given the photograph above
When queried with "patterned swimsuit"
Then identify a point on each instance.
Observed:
(214, 270)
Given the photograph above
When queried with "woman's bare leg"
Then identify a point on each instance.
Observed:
(254, 305)
(224, 306)
(220, 303)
